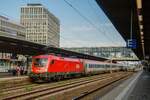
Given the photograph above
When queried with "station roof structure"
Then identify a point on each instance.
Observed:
(137, 26)
(19, 46)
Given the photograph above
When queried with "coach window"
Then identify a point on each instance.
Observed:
(87, 65)
(104, 66)
(96, 66)
(90, 66)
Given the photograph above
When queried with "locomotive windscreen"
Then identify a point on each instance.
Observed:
(40, 62)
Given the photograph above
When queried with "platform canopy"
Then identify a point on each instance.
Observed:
(120, 12)
(20, 46)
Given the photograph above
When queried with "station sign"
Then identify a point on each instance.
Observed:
(131, 43)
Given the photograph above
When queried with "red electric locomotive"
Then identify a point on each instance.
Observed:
(50, 67)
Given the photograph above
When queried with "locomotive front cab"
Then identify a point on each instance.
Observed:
(39, 67)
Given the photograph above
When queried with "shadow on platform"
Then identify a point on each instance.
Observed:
(141, 91)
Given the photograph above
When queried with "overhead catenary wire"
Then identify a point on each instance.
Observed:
(94, 10)
(86, 19)
(98, 16)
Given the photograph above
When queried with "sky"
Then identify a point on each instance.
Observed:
(75, 31)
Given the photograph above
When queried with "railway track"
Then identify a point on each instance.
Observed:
(82, 90)
(10, 89)
(32, 86)
(84, 96)
(47, 91)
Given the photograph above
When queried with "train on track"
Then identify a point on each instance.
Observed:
(51, 67)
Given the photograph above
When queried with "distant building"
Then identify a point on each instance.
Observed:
(11, 28)
(8, 62)
(106, 52)
(41, 25)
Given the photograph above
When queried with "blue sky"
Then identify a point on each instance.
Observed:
(74, 30)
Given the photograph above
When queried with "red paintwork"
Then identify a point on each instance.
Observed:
(60, 64)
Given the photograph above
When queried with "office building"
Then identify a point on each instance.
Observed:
(41, 25)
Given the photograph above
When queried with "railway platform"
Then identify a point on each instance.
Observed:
(135, 88)
(6, 82)
(10, 74)
(13, 78)
(5, 74)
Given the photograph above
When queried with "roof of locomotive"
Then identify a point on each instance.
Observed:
(41, 56)
(57, 57)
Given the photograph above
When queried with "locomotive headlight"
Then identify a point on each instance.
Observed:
(31, 69)
(46, 69)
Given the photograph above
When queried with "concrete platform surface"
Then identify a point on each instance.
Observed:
(5, 74)
(141, 90)
(14, 78)
(135, 88)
